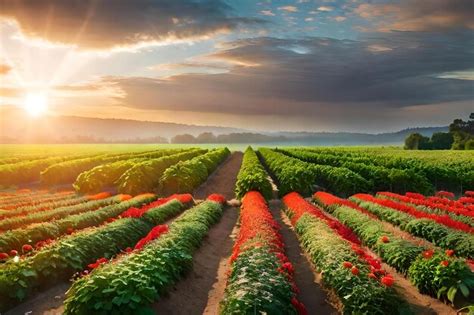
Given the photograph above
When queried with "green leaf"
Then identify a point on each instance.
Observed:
(452, 293)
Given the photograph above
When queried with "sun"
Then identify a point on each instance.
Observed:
(36, 104)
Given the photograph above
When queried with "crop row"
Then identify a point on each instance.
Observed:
(59, 260)
(437, 230)
(145, 176)
(439, 274)
(293, 174)
(129, 284)
(185, 176)
(53, 213)
(252, 176)
(261, 276)
(379, 177)
(34, 198)
(351, 273)
(121, 175)
(15, 239)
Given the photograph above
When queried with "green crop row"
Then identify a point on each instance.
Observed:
(252, 176)
(130, 284)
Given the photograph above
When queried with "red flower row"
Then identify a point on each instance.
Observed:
(299, 206)
(428, 203)
(156, 232)
(329, 200)
(138, 212)
(258, 229)
(217, 198)
(441, 219)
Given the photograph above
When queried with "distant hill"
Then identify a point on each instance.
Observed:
(16, 128)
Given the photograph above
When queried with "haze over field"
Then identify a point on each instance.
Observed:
(303, 65)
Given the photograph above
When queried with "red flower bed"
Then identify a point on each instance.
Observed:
(299, 206)
(469, 193)
(98, 196)
(445, 194)
(259, 229)
(441, 219)
(217, 198)
(328, 199)
(432, 202)
(138, 212)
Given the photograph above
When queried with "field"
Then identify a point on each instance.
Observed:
(188, 229)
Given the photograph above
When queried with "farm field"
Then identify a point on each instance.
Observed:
(138, 229)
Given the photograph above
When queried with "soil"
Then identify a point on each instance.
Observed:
(222, 180)
(312, 295)
(190, 295)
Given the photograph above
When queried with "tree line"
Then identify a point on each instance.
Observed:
(459, 137)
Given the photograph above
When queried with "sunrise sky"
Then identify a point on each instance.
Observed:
(327, 65)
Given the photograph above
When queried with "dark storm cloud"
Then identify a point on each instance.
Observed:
(101, 24)
(285, 76)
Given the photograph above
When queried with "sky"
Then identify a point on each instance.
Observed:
(301, 65)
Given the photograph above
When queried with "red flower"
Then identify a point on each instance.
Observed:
(355, 271)
(217, 198)
(347, 264)
(445, 263)
(450, 252)
(13, 253)
(384, 239)
(128, 250)
(428, 253)
(3, 256)
(70, 230)
(27, 248)
(372, 275)
(387, 281)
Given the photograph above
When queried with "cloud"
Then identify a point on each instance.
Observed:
(288, 8)
(316, 76)
(339, 18)
(99, 25)
(325, 8)
(267, 13)
(5, 69)
(414, 15)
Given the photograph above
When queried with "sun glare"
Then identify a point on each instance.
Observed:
(35, 104)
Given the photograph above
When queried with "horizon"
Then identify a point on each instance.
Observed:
(298, 66)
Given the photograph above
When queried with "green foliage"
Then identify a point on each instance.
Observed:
(15, 239)
(256, 284)
(185, 176)
(135, 280)
(145, 176)
(417, 141)
(293, 174)
(104, 176)
(442, 140)
(359, 294)
(72, 253)
(252, 176)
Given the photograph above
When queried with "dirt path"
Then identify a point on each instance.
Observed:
(222, 181)
(190, 295)
(311, 293)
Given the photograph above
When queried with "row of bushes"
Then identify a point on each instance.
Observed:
(145, 176)
(56, 213)
(185, 176)
(353, 279)
(15, 239)
(129, 284)
(380, 177)
(252, 176)
(433, 272)
(293, 174)
(106, 175)
(258, 257)
(32, 199)
(73, 253)
(438, 234)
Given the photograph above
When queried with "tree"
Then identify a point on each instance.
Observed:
(185, 138)
(463, 132)
(442, 141)
(416, 141)
(206, 137)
